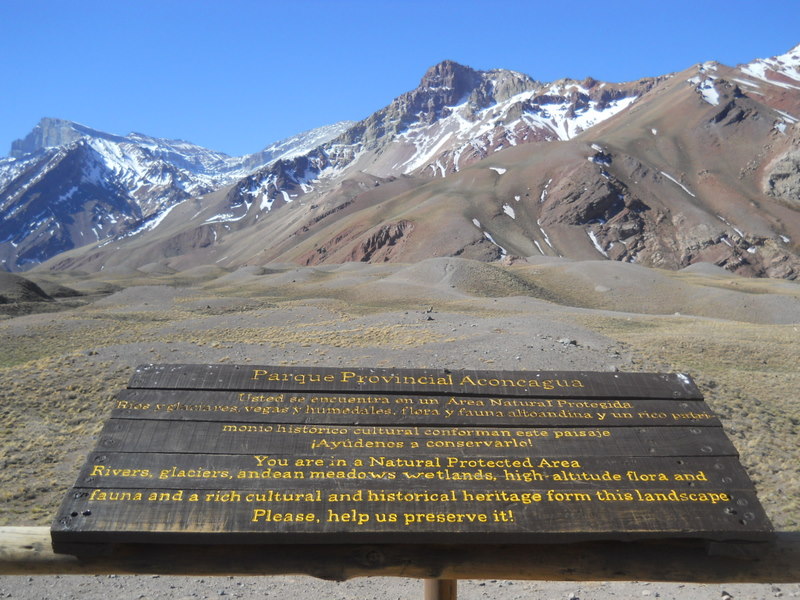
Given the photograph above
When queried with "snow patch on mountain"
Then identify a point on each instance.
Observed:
(678, 183)
(503, 251)
(557, 111)
(544, 234)
(772, 70)
(596, 242)
(230, 217)
(706, 89)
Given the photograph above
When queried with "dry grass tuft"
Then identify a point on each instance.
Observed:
(748, 374)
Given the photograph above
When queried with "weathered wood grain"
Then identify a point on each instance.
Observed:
(127, 435)
(406, 409)
(559, 384)
(110, 470)
(372, 515)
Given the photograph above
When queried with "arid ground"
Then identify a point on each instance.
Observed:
(61, 361)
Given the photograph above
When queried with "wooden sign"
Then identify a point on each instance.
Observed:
(238, 454)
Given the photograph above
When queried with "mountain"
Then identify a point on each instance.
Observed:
(694, 166)
(65, 185)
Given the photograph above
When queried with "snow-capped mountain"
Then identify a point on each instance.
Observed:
(697, 165)
(65, 185)
(456, 116)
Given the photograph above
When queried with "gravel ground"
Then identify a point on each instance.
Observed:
(89, 352)
(373, 588)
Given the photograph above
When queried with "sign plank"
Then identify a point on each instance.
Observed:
(462, 516)
(557, 384)
(406, 409)
(280, 471)
(210, 437)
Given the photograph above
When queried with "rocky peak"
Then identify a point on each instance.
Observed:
(50, 133)
(445, 84)
(46, 134)
(452, 83)
(507, 84)
(449, 75)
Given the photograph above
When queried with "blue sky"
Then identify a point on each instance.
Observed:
(237, 75)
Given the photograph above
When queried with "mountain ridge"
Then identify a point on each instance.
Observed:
(132, 179)
(635, 190)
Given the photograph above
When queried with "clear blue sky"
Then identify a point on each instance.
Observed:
(239, 74)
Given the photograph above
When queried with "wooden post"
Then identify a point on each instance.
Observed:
(441, 589)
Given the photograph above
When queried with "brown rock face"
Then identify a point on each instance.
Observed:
(378, 244)
(381, 244)
(783, 181)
